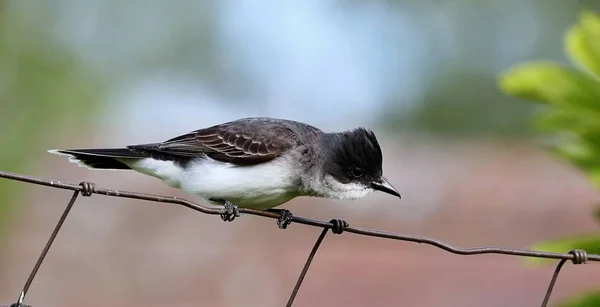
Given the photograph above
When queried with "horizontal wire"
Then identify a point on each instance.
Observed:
(301, 220)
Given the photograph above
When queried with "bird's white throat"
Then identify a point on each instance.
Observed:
(329, 187)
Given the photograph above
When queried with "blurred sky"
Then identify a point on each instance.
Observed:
(306, 60)
(188, 64)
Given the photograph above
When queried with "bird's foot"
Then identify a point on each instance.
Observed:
(285, 218)
(230, 210)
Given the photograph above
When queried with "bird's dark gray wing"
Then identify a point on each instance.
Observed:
(243, 142)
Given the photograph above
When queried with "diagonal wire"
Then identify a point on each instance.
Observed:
(88, 190)
(337, 227)
(580, 257)
(312, 254)
(552, 282)
(38, 263)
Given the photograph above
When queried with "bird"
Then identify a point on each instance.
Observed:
(254, 162)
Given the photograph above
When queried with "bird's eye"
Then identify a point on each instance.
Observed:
(356, 172)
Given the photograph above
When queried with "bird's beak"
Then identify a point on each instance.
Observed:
(384, 186)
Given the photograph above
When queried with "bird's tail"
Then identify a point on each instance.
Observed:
(104, 158)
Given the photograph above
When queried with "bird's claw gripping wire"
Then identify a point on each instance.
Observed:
(230, 211)
(285, 218)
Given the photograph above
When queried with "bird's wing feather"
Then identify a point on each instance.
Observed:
(238, 142)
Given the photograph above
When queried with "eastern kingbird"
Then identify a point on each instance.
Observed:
(257, 163)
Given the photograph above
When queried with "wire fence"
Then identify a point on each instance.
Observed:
(336, 226)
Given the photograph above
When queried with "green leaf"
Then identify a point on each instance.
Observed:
(586, 300)
(581, 148)
(582, 42)
(580, 154)
(589, 242)
(553, 84)
(566, 119)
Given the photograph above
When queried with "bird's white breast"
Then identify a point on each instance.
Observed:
(259, 186)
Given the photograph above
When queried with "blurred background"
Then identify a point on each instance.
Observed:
(422, 74)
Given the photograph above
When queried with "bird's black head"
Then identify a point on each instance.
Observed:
(356, 158)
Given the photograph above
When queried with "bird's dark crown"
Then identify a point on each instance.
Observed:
(355, 156)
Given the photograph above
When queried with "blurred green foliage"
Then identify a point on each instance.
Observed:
(583, 301)
(43, 88)
(571, 115)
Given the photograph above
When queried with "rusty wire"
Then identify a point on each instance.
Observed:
(337, 227)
